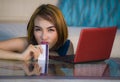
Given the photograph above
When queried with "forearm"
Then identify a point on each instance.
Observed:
(10, 55)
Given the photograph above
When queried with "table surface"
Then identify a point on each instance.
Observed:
(107, 69)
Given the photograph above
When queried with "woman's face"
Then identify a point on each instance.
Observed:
(45, 31)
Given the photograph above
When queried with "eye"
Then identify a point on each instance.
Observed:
(37, 29)
(50, 30)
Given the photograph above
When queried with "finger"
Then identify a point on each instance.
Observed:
(36, 51)
(35, 47)
(39, 48)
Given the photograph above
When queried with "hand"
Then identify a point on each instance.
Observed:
(32, 52)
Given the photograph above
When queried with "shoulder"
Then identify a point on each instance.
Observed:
(22, 40)
(66, 48)
(22, 43)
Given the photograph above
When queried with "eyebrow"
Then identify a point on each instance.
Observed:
(41, 27)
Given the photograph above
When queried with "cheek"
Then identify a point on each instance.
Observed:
(54, 36)
(54, 39)
(37, 36)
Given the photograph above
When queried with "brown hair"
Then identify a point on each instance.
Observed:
(52, 14)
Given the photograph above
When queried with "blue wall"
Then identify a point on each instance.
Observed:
(91, 13)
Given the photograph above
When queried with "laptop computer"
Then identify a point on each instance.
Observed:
(94, 44)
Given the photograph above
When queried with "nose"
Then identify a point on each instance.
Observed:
(44, 36)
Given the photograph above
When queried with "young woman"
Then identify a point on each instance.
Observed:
(46, 25)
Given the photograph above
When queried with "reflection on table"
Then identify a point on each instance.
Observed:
(109, 68)
(18, 68)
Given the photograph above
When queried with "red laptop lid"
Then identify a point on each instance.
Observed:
(95, 44)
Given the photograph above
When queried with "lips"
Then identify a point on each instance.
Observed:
(43, 42)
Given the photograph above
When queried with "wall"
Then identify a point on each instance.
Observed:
(20, 10)
(91, 13)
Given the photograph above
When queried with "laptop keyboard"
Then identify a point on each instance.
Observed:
(68, 58)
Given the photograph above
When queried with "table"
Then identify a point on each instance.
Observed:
(108, 69)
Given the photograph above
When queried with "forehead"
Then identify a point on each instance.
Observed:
(39, 21)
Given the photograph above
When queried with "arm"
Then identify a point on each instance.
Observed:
(4, 54)
(9, 48)
(15, 44)
(18, 49)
